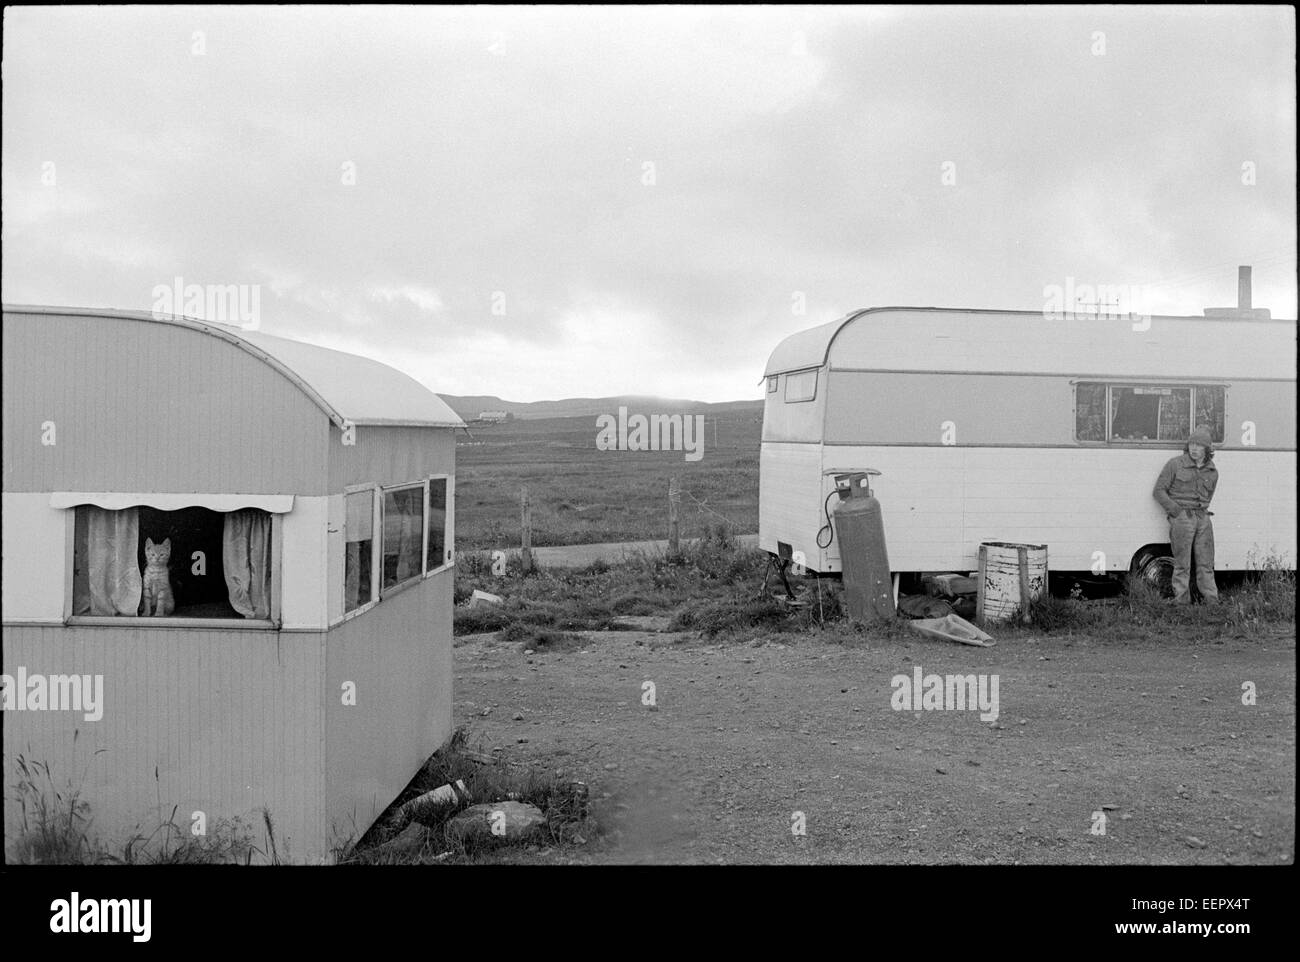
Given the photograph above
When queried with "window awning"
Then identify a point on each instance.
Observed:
(116, 501)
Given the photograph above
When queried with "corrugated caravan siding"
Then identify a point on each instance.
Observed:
(398, 656)
(789, 508)
(142, 406)
(383, 455)
(230, 723)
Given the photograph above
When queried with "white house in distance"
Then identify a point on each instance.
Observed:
(1013, 426)
(307, 497)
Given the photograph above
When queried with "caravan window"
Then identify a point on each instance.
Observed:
(403, 534)
(393, 535)
(188, 563)
(771, 384)
(438, 551)
(801, 386)
(359, 542)
(1146, 412)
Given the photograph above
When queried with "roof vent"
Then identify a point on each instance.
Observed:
(1243, 310)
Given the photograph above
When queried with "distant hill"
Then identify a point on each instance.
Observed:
(472, 405)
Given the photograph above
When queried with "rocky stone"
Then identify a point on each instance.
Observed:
(497, 821)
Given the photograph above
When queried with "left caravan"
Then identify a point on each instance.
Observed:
(285, 515)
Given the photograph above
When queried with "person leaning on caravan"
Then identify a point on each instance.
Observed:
(1184, 490)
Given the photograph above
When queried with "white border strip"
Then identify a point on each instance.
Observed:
(116, 501)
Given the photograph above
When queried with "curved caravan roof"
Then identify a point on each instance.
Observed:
(956, 339)
(346, 387)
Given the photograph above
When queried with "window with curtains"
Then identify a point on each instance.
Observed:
(393, 536)
(1150, 412)
(142, 562)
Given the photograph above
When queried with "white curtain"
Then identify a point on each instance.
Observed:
(246, 560)
(112, 562)
(408, 547)
(410, 538)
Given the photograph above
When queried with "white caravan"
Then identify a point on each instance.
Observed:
(1015, 426)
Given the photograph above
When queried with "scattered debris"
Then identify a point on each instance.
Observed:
(924, 606)
(481, 598)
(953, 628)
(410, 839)
(949, 585)
(419, 808)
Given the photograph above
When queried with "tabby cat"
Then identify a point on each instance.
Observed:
(158, 599)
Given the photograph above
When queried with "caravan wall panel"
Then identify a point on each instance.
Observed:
(872, 407)
(138, 407)
(939, 503)
(397, 655)
(230, 722)
(389, 455)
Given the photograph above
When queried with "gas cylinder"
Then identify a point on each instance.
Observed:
(860, 526)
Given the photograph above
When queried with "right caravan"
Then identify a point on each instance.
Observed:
(1010, 426)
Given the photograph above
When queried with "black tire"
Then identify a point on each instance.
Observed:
(1155, 570)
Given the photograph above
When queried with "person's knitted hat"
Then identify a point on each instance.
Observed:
(1202, 437)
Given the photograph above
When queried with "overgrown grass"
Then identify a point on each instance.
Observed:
(594, 597)
(1260, 603)
(540, 639)
(54, 820)
(55, 827)
(712, 587)
(561, 798)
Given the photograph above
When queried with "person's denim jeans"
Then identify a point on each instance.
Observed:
(1192, 534)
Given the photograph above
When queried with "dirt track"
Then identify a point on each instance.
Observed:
(744, 736)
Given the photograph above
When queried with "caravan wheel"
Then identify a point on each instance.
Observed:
(1155, 569)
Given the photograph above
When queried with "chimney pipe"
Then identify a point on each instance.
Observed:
(1243, 288)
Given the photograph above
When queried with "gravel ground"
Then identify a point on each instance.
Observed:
(746, 735)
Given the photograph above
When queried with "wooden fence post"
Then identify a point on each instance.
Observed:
(674, 498)
(526, 531)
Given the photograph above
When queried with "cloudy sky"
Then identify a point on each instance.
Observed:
(542, 203)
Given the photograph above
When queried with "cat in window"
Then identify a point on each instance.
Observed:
(157, 588)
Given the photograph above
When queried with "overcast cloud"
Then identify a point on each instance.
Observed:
(797, 158)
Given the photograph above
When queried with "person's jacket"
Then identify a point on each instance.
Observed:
(1183, 485)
